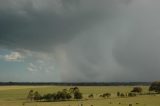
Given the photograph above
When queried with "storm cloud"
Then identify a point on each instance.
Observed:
(90, 40)
(39, 25)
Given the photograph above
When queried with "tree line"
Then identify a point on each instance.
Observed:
(77, 84)
(64, 95)
(74, 93)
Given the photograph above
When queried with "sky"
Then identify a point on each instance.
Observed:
(79, 40)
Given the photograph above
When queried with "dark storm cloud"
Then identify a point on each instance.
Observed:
(38, 25)
(92, 40)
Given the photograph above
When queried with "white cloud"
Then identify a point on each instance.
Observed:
(42, 66)
(13, 57)
(32, 68)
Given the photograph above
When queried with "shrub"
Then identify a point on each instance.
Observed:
(137, 90)
(155, 86)
(77, 95)
(131, 94)
(37, 96)
(68, 96)
(59, 96)
(118, 94)
(106, 95)
(122, 95)
(49, 97)
(30, 95)
(63, 95)
(101, 96)
(90, 96)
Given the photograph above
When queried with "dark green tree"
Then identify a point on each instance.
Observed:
(37, 96)
(30, 95)
(137, 90)
(48, 97)
(78, 95)
(155, 86)
(68, 96)
(118, 94)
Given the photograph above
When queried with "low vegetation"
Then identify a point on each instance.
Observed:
(155, 86)
(81, 96)
(106, 95)
(63, 95)
(137, 90)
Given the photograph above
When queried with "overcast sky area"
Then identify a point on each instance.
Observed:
(79, 40)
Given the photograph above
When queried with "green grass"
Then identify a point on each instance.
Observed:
(16, 96)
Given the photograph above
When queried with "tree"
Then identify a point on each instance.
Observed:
(37, 96)
(63, 95)
(72, 90)
(75, 92)
(49, 97)
(30, 95)
(137, 90)
(77, 95)
(59, 96)
(68, 96)
(118, 94)
(155, 86)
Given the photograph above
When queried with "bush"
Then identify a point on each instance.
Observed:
(90, 96)
(155, 86)
(74, 89)
(118, 94)
(37, 96)
(137, 90)
(49, 97)
(106, 95)
(30, 95)
(131, 94)
(68, 96)
(77, 95)
(122, 95)
(59, 96)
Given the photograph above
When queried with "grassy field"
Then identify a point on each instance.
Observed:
(16, 96)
